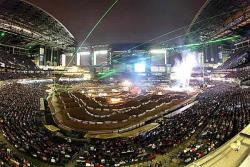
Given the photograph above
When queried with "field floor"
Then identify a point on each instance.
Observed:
(132, 133)
(62, 120)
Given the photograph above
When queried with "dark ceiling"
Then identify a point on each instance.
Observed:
(129, 21)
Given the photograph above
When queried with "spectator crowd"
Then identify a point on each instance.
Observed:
(219, 113)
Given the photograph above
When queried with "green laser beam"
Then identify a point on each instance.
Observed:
(197, 45)
(107, 73)
(89, 34)
(198, 22)
(2, 34)
(194, 45)
(92, 30)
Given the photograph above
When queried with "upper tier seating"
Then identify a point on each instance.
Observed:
(238, 59)
(15, 61)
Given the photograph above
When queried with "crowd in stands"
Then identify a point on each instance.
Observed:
(203, 118)
(22, 124)
(238, 59)
(230, 117)
(239, 74)
(218, 114)
(16, 66)
(16, 61)
(20, 75)
(237, 66)
(8, 158)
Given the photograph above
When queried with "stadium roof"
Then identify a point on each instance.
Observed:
(26, 19)
(218, 18)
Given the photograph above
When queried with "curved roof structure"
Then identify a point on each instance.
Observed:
(26, 19)
(220, 17)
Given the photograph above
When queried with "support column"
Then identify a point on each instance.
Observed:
(51, 57)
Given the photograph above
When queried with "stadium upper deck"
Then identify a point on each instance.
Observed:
(33, 24)
(218, 18)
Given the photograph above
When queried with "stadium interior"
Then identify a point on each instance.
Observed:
(63, 103)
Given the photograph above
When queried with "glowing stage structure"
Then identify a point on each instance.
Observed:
(183, 68)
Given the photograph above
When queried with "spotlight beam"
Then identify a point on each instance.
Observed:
(99, 21)
(178, 29)
(91, 31)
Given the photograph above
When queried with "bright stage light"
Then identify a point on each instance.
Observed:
(102, 94)
(158, 51)
(78, 59)
(140, 67)
(180, 89)
(63, 60)
(2, 34)
(159, 93)
(183, 69)
(115, 90)
(30, 81)
(73, 69)
(127, 83)
(86, 77)
(85, 53)
(115, 100)
(101, 52)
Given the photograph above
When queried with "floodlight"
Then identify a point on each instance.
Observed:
(140, 67)
(101, 52)
(85, 53)
(63, 60)
(158, 51)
